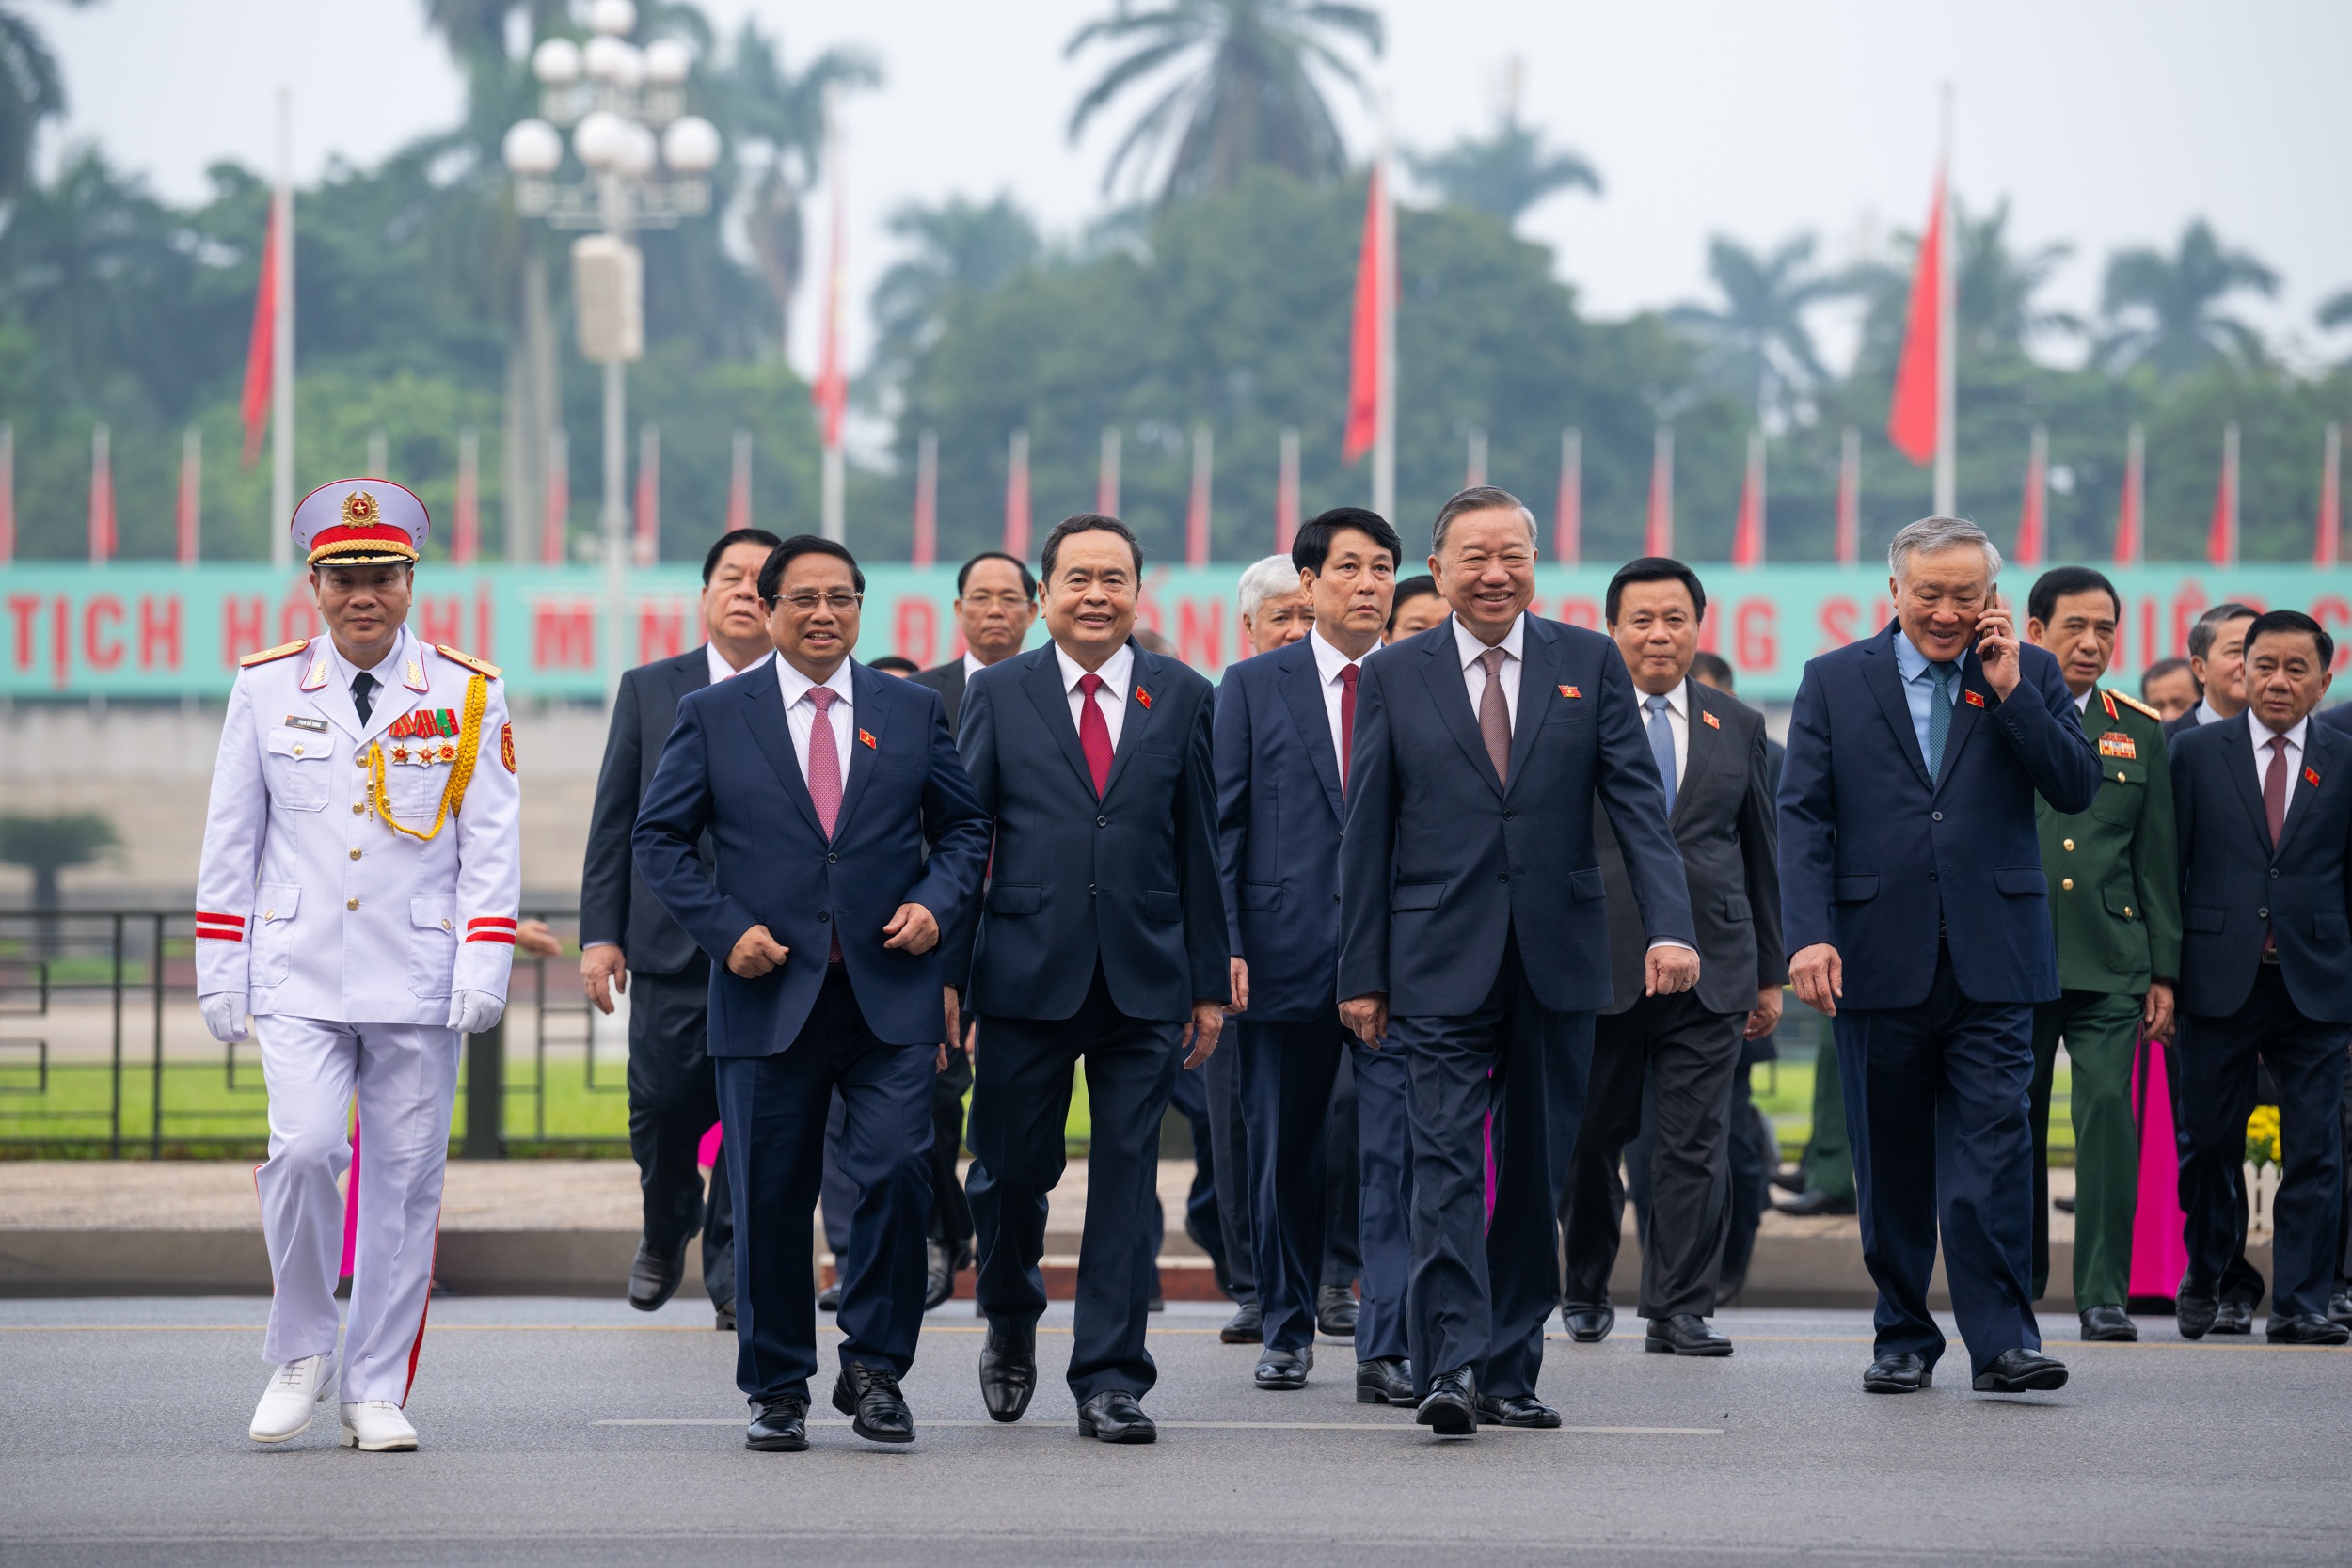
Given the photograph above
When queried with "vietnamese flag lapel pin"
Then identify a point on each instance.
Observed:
(1570, 691)
(1976, 699)
(2310, 777)
(866, 739)
(1145, 698)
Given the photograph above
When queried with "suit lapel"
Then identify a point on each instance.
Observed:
(1300, 680)
(1042, 682)
(2249, 794)
(763, 713)
(1539, 673)
(1144, 689)
(1704, 738)
(1964, 712)
(2318, 757)
(1884, 679)
(869, 714)
(1449, 691)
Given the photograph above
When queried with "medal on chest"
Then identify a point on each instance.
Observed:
(426, 739)
(2115, 743)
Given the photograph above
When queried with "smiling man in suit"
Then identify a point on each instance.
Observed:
(1913, 896)
(846, 838)
(1677, 1053)
(2265, 801)
(1474, 937)
(1103, 936)
(625, 933)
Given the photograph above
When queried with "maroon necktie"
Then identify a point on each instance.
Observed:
(1094, 734)
(824, 773)
(2275, 789)
(1347, 719)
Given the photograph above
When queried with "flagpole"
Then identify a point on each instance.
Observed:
(281, 368)
(1384, 419)
(834, 476)
(1946, 339)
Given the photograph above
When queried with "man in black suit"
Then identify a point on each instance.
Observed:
(2264, 800)
(1474, 938)
(1101, 936)
(1681, 1052)
(2339, 718)
(673, 1098)
(996, 606)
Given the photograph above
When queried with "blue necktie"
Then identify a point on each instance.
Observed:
(1939, 717)
(1662, 747)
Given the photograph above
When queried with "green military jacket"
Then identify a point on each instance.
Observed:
(2114, 870)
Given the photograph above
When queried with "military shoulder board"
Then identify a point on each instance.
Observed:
(270, 656)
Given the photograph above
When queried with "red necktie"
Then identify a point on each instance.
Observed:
(824, 773)
(1347, 719)
(1094, 734)
(2275, 789)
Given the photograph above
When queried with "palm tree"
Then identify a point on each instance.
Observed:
(1505, 173)
(1758, 345)
(32, 90)
(2160, 308)
(2336, 309)
(1245, 94)
(962, 249)
(1995, 286)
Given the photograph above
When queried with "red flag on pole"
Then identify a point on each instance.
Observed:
(464, 538)
(1658, 533)
(1747, 533)
(1567, 543)
(830, 392)
(925, 543)
(2033, 516)
(260, 346)
(1363, 343)
(1017, 497)
(740, 483)
(2222, 537)
(1849, 545)
(1286, 495)
(1196, 508)
(2331, 498)
(649, 540)
(1910, 419)
(191, 493)
(2130, 510)
(102, 496)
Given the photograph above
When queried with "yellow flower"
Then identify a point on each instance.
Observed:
(2262, 1137)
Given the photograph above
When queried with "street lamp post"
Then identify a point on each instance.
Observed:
(646, 162)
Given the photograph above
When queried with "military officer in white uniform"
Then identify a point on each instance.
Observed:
(357, 899)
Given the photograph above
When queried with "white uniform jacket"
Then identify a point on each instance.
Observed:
(307, 900)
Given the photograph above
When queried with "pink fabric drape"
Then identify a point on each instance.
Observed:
(2159, 1253)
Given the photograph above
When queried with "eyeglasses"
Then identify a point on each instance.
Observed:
(807, 603)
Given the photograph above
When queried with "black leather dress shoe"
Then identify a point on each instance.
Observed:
(1384, 1380)
(2063, 1205)
(653, 1279)
(1246, 1327)
(1335, 1311)
(1007, 1371)
(1285, 1369)
(2195, 1315)
(724, 1319)
(939, 1278)
(781, 1427)
(2021, 1372)
(829, 1299)
(1898, 1372)
(2339, 1308)
(2233, 1317)
(1589, 1326)
(1514, 1410)
(1451, 1407)
(2109, 1322)
(869, 1396)
(1114, 1416)
(1807, 1205)
(1790, 1180)
(2305, 1328)
(1685, 1334)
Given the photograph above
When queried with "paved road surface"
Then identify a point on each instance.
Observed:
(577, 1434)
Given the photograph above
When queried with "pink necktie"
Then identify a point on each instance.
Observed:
(1348, 719)
(2275, 789)
(1094, 734)
(824, 773)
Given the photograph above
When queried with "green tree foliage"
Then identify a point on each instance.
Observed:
(2162, 310)
(46, 846)
(961, 249)
(32, 91)
(1503, 173)
(1758, 345)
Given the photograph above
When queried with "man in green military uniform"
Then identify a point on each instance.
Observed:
(2115, 909)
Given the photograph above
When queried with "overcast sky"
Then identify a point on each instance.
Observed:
(2106, 124)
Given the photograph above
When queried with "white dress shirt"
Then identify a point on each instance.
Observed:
(1118, 672)
(1329, 664)
(2082, 704)
(2261, 733)
(800, 714)
(1677, 725)
(1474, 674)
(2205, 714)
(721, 670)
(972, 665)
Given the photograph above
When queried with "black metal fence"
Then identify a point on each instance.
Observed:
(103, 1053)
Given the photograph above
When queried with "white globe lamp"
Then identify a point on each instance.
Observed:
(690, 145)
(601, 140)
(556, 63)
(667, 62)
(532, 148)
(613, 16)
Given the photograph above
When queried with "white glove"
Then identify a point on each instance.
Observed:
(224, 1016)
(475, 1012)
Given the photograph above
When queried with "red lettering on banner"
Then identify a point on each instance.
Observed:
(1755, 635)
(98, 653)
(1711, 628)
(563, 637)
(241, 624)
(2332, 613)
(61, 643)
(1881, 613)
(660, 632)
(917, 631)
(1197, 632)
(24, 610)
(441, 620)
(159, 631)
(1581, 612)
(1837, 622)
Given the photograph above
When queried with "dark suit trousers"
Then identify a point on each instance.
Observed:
(1935, 1110)
(775, 1108)
(1288, 1072)
(2218, 1060)
(1754, 1155)
(1229, 1166)
(1680, 1057)
(672, 1099)
(1020, 1107)
(1343, 1247)
(2240, 1280)
(951, 1212)
(1481, 1288)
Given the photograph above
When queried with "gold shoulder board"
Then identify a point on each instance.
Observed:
(2134, 703)
(478, 666)
(268, 656)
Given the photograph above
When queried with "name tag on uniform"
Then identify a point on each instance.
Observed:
(316, 727)
(2115, 743)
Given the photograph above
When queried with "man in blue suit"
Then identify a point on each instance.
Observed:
(2264, 802)
(819, 784)
(1286, 721)
(1918, 918)
(1474, 941)
(1103, 936)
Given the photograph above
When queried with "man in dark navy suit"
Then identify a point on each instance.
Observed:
(1918, 920)
(1474, 937)
(1284, 723)
(846, 838)
(1101, 936)
(2264, 802)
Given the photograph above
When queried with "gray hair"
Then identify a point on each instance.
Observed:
(1267, 579)
(1478, 498)
(1929, 535)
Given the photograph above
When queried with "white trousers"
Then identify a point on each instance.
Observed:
(404, 1076)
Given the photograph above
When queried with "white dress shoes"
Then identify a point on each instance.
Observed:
(295, 1393)
(377, 1426)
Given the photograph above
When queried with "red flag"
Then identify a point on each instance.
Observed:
(1849, 545)
(1747, 534)
(1017, 497)
(2330, 498)
(925, 549)
(2130, 509)
(830, 392)
(262, 345)
(189, 513)
(648, 541)
(102, 496)
(1911, 419)
(740, 483)
(1363, 343)
(1196, 507)
(2032, 520)
(464, 539)
(2222, 537)
(1568, 534)
(1658, 532)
